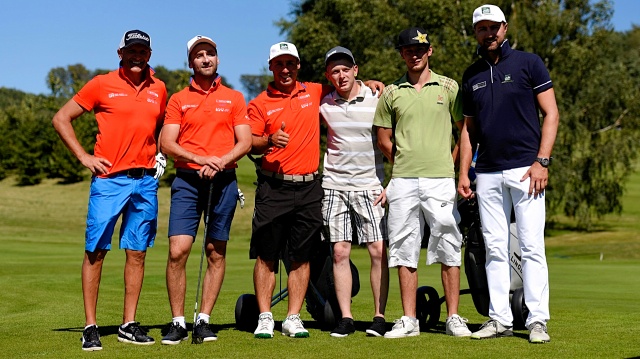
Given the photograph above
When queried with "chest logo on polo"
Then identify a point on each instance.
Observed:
(270, 112)
(479, 85)
(507, 78)
(223, 105)
(440, 100)
(306, 100)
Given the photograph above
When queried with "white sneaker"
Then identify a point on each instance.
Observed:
(492, 329)
(292, 326)
(404, 327)
(456, 326)
(265, 326)
(538, 333)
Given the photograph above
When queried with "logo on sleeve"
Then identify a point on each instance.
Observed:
(188, 106)
(479, 85)
(270, 112)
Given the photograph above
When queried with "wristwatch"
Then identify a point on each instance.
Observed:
(544, 161)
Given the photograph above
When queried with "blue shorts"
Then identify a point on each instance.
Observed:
(189, 197)
(136, 199)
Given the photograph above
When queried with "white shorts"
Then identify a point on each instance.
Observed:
(346, 211)
(414, 202)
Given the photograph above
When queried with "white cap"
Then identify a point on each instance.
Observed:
(283, 48)
(199, 39)
(488, 12)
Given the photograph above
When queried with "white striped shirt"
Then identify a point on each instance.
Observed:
(353, 161)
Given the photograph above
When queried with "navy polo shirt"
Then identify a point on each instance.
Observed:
(502, 99)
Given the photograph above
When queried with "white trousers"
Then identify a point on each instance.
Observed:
(497, 192)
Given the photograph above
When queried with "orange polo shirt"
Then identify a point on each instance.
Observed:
(207, 120)
(127, 118)
(299, 111)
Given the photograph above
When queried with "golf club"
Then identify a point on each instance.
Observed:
(195, 340)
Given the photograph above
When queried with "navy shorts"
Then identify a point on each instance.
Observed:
(136, 199)
(287, 215)
(189, 197)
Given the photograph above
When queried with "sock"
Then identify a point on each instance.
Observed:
(91, 325)
(125, 325)
(204, 317)
(180, 321)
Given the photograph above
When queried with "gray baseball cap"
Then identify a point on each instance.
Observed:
(336, 51)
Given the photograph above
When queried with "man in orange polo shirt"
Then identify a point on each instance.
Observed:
(288, 213)
(285, 122)
(206, 131)
(129, 106)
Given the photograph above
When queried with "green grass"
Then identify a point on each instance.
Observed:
(594, 303)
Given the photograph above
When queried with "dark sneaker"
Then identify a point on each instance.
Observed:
(91, 339)
(344, 328)
(203, 333)
(175, 335)
(378, 327)
(133, 334)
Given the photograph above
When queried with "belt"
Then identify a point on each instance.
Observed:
(190, 171)
(137, 172)
(291, 178)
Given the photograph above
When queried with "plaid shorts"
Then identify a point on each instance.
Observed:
(347, 212)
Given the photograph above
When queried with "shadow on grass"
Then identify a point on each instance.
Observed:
(164, 328)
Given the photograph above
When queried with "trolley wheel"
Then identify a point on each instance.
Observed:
(519, 309)
(247, 312)
(427, 307)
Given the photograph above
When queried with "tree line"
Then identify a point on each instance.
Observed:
(595, 70)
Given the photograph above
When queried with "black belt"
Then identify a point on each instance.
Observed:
(137, 172)
(291, 178)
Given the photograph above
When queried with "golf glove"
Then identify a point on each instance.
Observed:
(241, 198)
(161, 164)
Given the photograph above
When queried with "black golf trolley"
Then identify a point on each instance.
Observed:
(320, 299)
(428, 302)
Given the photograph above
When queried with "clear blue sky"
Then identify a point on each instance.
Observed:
(38, 35)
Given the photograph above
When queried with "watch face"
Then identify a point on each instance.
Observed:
(543, 161)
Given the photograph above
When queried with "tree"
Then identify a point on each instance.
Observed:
(65, 82)
(596, 86)
(254, 84)
(175, 80)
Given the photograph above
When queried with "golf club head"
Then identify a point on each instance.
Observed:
(196, 340)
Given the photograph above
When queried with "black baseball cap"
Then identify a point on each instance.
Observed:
(135, 37)
(413, 36)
